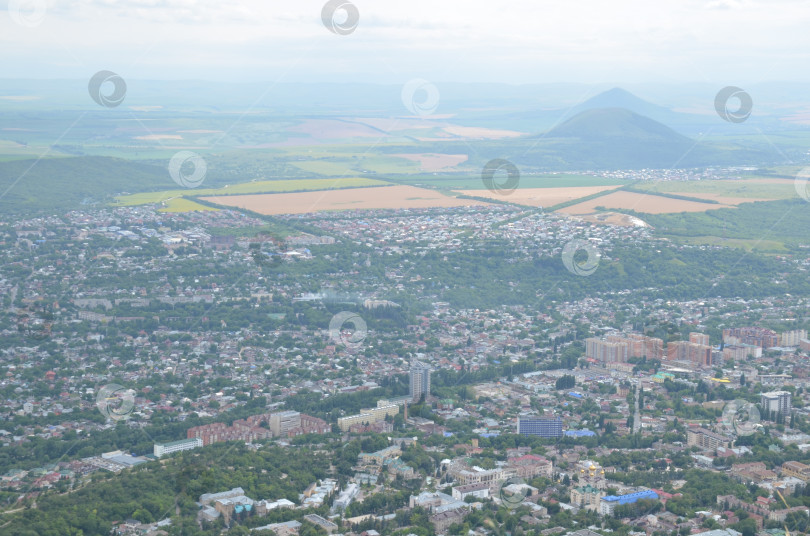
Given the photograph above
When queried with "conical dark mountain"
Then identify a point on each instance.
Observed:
(616, 124)
(621, 98)
(616, 138)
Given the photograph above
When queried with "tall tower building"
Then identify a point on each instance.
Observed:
(420, 380)
(776, 403)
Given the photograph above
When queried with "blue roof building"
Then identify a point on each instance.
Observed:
(608, 504)
(579, 433)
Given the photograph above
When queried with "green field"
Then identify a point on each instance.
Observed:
(746, 188)
(256, 187)
(766, 226)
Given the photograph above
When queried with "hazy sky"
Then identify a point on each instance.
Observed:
(516, 41)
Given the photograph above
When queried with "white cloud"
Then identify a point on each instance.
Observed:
(518, 41)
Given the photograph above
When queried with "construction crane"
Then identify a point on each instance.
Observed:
(787, 532)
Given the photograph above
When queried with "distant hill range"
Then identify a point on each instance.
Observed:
(70, 182)
(619, 138)
(621, 98)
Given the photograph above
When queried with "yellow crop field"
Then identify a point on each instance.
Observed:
(180, 204)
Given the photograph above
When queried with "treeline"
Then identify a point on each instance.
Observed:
(169, 489)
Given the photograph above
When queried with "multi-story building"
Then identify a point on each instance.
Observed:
(606, 351)
(792, 338)
(284, 421)
(161, 449)
(379, 457)
(480, 491)
(257, 427)
(706, 439)
(419, 380)
(753, 472)
(367, 416)
(587, 497)
(776, 403)
(699, 355)
(764, 338)
(741, 352)
(699, 338)
(540, 426)
(640, 345)
(530, 466)
(608, 504)
(796, 469)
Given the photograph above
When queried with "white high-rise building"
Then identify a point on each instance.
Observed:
(776, 402)
(420, 380)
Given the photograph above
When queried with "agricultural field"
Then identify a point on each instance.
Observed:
(435, 162)
(257, 187)
(473, 181)
(648, 204)
(729, 192)
(541, 197)
(181, 204)
(388, 197)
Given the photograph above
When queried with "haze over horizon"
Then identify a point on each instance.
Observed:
(715, 42)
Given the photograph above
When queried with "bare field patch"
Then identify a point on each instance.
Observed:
(383, 197)
(541, 197)
(435, 162)
(649, 204)
(481, 133)
(330, 129)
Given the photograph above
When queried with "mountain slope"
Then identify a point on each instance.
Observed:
(62, 183)
(615, 138)
(621, 98)
(615, 123)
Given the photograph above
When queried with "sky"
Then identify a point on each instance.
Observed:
(722, 42)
